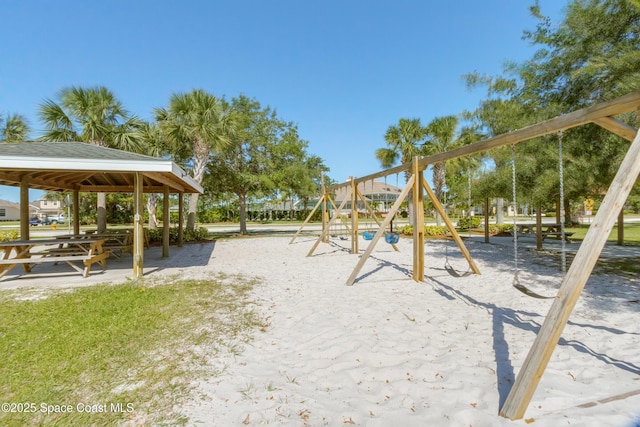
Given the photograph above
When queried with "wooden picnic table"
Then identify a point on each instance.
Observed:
(546, 230)
(21, 252)
(116, 243)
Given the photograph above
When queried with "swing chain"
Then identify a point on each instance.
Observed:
(515, 215)
(562, 212)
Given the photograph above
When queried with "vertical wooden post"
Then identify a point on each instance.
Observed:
(572, 285)
(166, 222)
(76, 212)
(418, 228)
(180, 219)
(538, 228)
(354, 217)
(621, 227)
(486, 219)
(138, 226)
(24, 207)
(325, 216)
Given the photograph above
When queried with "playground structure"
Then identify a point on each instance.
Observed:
(585, 259)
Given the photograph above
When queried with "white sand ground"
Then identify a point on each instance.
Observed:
(392, 352)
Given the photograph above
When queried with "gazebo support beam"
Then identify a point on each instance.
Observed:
(24, 207)
(166, 222)
(138, 226)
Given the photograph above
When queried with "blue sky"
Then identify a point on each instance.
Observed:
(342, 70)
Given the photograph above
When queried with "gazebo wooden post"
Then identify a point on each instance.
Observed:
(180, 219)
(166, 222)
(138, 226)
(24, 207)
(76, 212)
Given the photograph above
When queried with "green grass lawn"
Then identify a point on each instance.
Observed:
(109, 353)
(631, 233)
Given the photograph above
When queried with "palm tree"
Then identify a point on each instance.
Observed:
(14, 128)
(441, 137)
(404, 141)
(91, 115)
(195, 124)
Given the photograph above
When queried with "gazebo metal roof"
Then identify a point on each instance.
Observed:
(69, 166)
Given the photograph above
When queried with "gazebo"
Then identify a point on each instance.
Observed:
(80, 167)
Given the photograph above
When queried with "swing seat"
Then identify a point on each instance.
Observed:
(368, 235)
(392, 238)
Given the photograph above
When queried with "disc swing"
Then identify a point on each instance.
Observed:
(447, 266)
(391, 237)
(516, 281)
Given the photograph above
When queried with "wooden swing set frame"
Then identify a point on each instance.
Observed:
(585, 259)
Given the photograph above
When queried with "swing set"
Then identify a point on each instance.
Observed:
(586, 257)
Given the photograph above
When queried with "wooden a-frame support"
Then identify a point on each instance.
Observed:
(415, 185)
(585, 259)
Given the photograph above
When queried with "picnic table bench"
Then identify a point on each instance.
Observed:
(529, 230)
(70, 251)
(116, 243)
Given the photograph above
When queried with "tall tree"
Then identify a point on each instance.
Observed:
(266, 157)
(92, 115)
(196, 125)
(591, 56)
(14, 128)
(441, 133)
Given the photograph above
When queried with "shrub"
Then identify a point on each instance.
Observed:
(8, 236)
(435, 230)
(464, 222)
(200, 233)
(429, 230)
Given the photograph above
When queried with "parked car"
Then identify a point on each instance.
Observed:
(60, 219)
(37, 221)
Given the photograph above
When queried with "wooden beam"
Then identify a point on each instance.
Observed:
(616, 126)
(354, 217)
(24, 208)
(381, 231)
(572, 285)
(76, 212)
(418, 226)
(577, 118)
(454, 234)
(315, 208)
(138, 227)
(166, 223)
(486, 219)
(327, 229)
(180, 219)
(164, 180)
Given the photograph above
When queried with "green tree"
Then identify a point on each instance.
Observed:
(591, 56)
(92, 115)
(266, 157)
(14, 128)
(196, 125)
